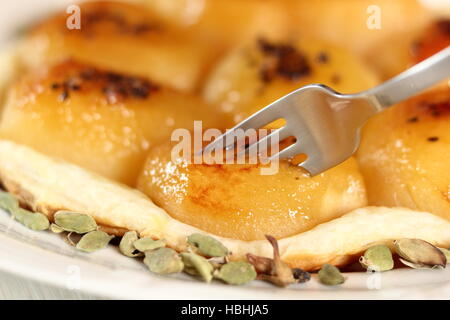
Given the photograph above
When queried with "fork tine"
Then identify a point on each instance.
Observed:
(290, 151)
(304, 143)
(260, 118)
(256, 121)
(280, 133)
(311, 166)
(218, 142)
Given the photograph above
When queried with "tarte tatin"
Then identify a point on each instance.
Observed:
(88, 114)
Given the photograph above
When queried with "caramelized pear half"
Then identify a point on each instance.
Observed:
(262, 71)
(122, 37)
(239, 202)
(101, 120)
(404, 154)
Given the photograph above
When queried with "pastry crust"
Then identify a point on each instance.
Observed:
(47, 185)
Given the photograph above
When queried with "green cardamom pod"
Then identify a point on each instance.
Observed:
(163, 261)
(34, 221)
(75, 222)
(207, 245)
(147, 244)
(377, 258)
(330, 275)
(126, 244)
(236, 273)
(93, 241)
(195, 264)
(8, 202)
(419, 254)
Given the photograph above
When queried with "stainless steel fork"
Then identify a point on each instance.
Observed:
(326, 124)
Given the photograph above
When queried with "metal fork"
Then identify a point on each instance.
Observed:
(325, 123)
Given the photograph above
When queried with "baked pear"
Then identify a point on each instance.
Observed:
(122, 37)
(238, 201)
(404, 154)
(101, 120)
(261, 71)
(403, 149)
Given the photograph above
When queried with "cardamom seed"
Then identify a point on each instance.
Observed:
(218, 262)
(301, 275)
(126, 244)
(75, 222)
(8, 202)
(236, 273)
(195, 264)
(34, 221)
(377, 258)
(55, 228)
(207, 245)
(163, 261)
(147, 244)
(330, 275)
(419, 254)
(93, 241)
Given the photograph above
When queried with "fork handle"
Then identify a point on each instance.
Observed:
(412, 81)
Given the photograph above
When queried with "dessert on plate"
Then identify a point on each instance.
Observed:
(87, 123)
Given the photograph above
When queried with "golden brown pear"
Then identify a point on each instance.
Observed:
(404, 154)
(404, 150)
(122, 37)
(239, 202)
(101, 120)
(260, 72)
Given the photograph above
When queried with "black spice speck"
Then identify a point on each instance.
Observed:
(114, 86)
(282, 60)
(413, 119)
(433, 139)
(322, 57)
(435, 113)
(436, 109)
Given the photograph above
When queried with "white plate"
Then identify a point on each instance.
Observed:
(45, 257)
